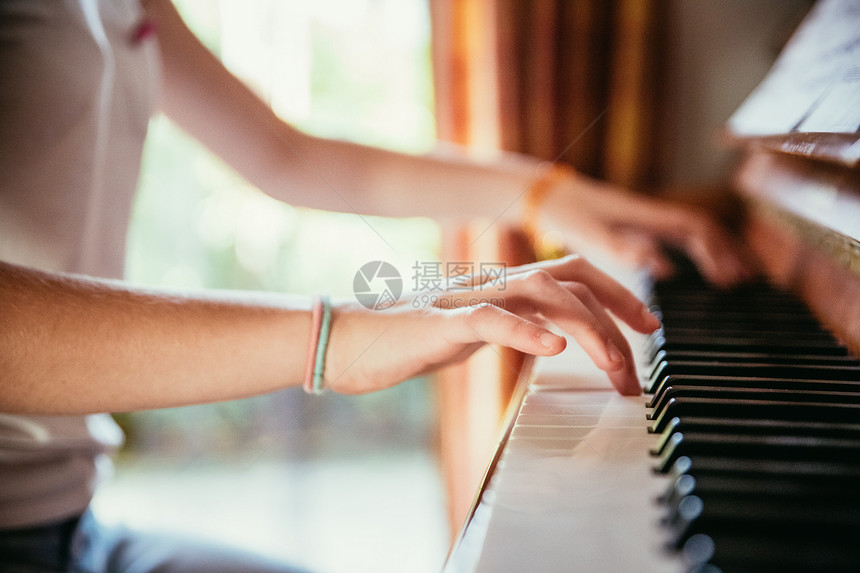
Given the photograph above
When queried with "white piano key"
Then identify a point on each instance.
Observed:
(573, 488)
(546, 432)
(525, 420)
(574, 485)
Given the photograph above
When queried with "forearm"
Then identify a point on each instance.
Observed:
(445, 184)
(216, 108)
(73, 345)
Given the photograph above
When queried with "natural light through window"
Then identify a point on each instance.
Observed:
(322, 481)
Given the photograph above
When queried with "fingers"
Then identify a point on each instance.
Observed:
(572, 294)
(618, 216)
(489, 323)
(608, 291)
(718, 257)
(642, 250)
(575, 314)
(624, 379)
(570, 305)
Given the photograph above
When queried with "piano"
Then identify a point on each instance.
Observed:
(743, 453)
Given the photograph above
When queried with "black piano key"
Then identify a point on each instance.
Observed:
(799, 384)
(754, 296)
(687, 316)
(814, 518)
(751, 552)
(772, 489)
(709, 306)
(776, 347)
(690, 316)
(681, 391)
(771, 447)
(757, 335)
(807, 527)
(833, 471)
(681, 487)
(692, 326)
(742, 356)
(759, 411)
(825, 372)
(697, 551)
(755, 409)
(756, 427)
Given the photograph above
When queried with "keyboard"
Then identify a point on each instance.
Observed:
(743, 454)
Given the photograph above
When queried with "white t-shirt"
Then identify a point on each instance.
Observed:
(79, 83)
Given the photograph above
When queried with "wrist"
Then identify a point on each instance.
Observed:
(314, 382)
(342, 359)
(552, 190)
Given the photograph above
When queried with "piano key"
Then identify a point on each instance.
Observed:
(759, 335)
(721, 466)
(754, 427)
(825, 372)
(779, 347)
(682, 391)
(770, 447)
(774, 488)
(790, 318)
(758, 414)
(679, 488)
(742, 356)
(660, 388)
(822, 519)
(759, 428)
(755, 409)
(744, 551)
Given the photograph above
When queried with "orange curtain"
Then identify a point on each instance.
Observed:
(578, 83)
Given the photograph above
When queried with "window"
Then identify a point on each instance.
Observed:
(324, 481)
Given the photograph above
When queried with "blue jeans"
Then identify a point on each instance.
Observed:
(82, 545)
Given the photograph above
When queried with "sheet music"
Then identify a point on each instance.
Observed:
(814, 86)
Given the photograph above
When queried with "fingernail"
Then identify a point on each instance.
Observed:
(614, 354)
(548, 339)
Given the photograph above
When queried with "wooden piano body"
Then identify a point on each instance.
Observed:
(572, 485)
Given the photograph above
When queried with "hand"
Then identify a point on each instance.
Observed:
(633, 228)
(372, 350)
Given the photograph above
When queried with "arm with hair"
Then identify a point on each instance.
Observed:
(71, 344)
